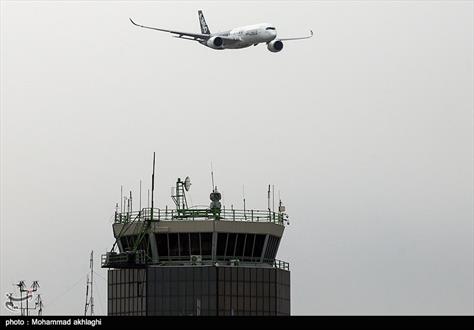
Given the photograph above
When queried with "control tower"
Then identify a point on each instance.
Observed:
(197, 261)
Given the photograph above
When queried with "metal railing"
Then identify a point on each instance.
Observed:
(130, 260)
(147, 214)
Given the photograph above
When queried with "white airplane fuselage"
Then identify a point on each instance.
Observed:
(248, 35)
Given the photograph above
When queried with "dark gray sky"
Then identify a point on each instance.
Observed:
(366, 129)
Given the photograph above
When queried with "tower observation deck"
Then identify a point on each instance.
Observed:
(197, 261)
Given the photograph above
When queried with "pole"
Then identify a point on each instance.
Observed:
(268, 198)
(212, 177)
(121, 198)
(273, 198)
(27, 303)
(21, 302)
(92, 282)
(152, 186)
(87, 296)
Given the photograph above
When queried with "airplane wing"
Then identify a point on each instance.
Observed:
(298, 38)
(178, 34)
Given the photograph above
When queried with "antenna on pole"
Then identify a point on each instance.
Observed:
(87, 296)
(273, 198)
(140, 203)
(92, 278)
(90, 283)
(212, 177)
(152, 186)
(268, 198)
(243, 196)
(121, 199)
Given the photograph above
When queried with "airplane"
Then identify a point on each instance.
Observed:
(240, 37)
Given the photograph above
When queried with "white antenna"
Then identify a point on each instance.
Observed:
(243, 196)
(273, 198)
(140, 195)
(268, 198)
(212, 177)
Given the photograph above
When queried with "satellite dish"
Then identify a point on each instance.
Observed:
(187, 183)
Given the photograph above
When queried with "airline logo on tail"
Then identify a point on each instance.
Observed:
(202, 21)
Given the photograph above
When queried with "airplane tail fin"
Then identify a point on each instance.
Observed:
(202, 21)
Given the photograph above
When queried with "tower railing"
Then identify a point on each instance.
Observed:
(146, 214)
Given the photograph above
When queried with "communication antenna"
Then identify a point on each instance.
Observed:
(24, 310)
(268, 198)
(121, 199)
(178, 194)
(140, 202)
(281, 207)
(212, 177)
(187, 183)
(21, 285)
(273, 198)
(152, 186)
(243, 196)
(131, 207)
(92, 280)
(90, 283)
(39, 304)
(86, 306)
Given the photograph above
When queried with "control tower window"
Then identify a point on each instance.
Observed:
(249, 242)
(173, 243)
(184, 244)
(221, 243)
(206, 244)
(162, 244)
(259, 240)
(195, 244)
(230, 245)
(239, 250)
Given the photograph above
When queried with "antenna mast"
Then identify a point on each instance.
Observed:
(90, 283)
(243, 195)
(273, 198)
(212, 178)
(268, 198)
(152, 186)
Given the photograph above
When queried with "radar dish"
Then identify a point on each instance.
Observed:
(187, 183)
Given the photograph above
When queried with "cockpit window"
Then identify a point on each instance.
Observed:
(270, 28)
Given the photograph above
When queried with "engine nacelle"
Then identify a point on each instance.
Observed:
(275, 46)
(215, 42)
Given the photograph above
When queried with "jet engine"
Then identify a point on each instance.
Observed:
(275, 46)
(215, 42)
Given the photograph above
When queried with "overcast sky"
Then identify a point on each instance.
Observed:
(366, 129)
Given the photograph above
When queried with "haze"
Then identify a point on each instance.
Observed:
(366, 130)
